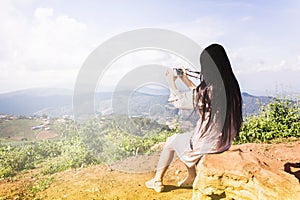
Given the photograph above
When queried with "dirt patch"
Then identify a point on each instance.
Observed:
(136, 164)
(44, 135)
(107, 182)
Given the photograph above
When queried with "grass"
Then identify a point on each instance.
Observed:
(18, 129)
(41, 185)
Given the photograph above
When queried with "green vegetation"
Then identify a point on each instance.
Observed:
(279, 119)
(120, 137)
(95, 141)
(51, 156)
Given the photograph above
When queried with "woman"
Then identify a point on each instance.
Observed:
(218, 101)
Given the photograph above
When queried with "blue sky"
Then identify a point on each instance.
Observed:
(44, 43)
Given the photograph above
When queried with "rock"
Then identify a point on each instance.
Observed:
(177, 172)
(240, 175)
(110, 169)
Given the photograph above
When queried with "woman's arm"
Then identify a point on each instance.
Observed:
(186, 80)
(182, 100)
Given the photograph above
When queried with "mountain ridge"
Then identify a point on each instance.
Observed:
(57, 102)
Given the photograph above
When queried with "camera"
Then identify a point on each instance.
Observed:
(178, 72)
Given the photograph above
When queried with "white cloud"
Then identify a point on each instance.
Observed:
(56, 41)
(43, 13)
(204, 30)
(41, 49)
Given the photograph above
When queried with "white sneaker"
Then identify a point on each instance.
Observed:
(156, 185)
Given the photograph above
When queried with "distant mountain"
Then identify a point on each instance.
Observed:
(252, 104)
(37, 101)
(58, 102)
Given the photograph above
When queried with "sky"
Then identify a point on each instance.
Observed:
(44, 43)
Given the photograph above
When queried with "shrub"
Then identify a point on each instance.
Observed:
(16, 158)
(52, 156)
(279, 119)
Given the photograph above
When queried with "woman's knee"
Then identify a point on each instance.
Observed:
(170, 139)
(169, 143)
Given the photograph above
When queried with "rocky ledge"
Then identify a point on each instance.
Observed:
(241, 175)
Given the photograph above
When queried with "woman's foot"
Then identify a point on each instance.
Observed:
(155, 184)
(187, 182)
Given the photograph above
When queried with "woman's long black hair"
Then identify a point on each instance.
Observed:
(214, 57)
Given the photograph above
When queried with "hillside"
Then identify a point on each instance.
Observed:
(104, 182)
(21, 130)
(108, 158)
(58, 102)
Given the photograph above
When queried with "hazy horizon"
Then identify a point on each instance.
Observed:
(274, 93)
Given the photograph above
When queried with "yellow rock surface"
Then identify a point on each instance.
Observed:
(240, 175)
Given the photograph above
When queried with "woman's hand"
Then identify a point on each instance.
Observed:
(183, 72)
(170, 75)
(171, 79)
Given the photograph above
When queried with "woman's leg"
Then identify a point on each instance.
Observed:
(191, 172)
(180, 141)
(189, 180)
(165, 160)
